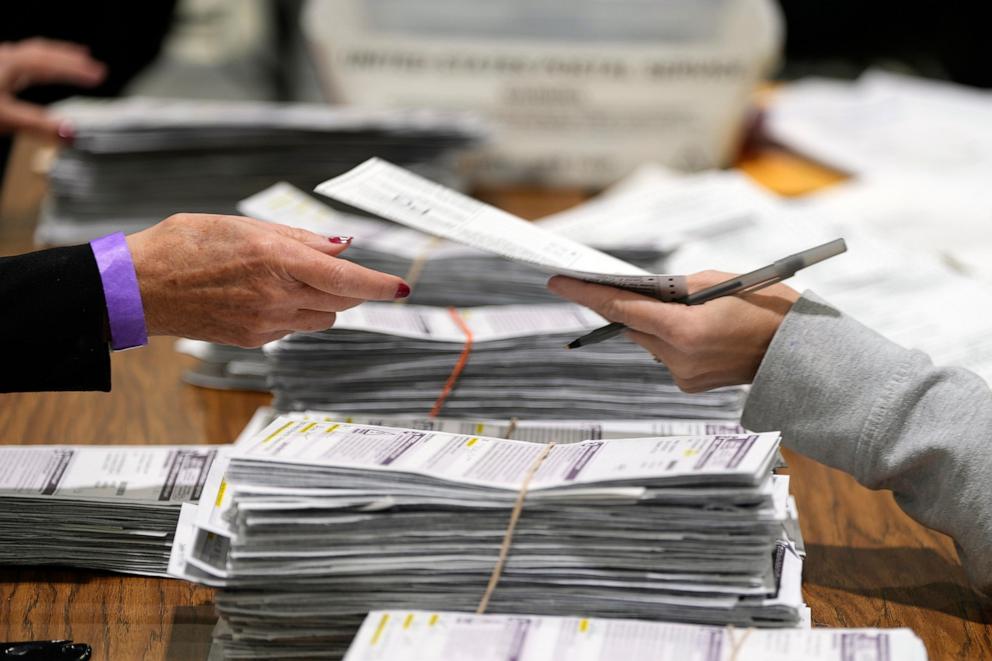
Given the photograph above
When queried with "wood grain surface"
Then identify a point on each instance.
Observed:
(868, 564)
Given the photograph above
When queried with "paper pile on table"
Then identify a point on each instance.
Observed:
(384, 359)
(398, 635)
(315, 523)
(102, 507)
(921, 153)
(135, 161)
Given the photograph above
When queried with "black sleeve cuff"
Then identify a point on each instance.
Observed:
(54, 329)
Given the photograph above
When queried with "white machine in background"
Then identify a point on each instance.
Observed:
(580, 92)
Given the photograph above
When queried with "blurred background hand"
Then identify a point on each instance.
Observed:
(37, 62)
(245, 282)
(719, 343)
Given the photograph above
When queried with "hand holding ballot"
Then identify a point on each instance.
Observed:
(245, 282)
(706, 346)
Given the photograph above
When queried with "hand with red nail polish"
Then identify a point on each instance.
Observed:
(42, 61)
(246, 282)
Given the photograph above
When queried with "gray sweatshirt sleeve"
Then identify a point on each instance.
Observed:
(849, 398)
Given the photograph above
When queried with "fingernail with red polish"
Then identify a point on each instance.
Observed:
(67, 133)
(341, 239)
(402, 291)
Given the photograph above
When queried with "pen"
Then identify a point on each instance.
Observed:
(742, 284)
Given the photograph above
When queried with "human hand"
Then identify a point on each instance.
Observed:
(718, 343)
(246, 282)
(38, 61)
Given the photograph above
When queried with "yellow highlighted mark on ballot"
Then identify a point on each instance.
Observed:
(583, 625)
(433, 620)
(379, 629)
(331, 429)
(471, 442)
(690, 453)
(408, 621)
(308, 427)
(480, 428)
(279, 431)
(220, 493)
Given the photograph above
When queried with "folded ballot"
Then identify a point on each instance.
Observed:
(206, 155)
(313, 523)
(397, 635)
(103, 507)
(490, 361)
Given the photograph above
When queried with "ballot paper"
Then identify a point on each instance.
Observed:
(391, 192)
(543, 431)
(398, 635)
(442, 272)
(886, 122)
(206, 155)
(386, 359)
(313, 523)
(103, 507)
(660, 208)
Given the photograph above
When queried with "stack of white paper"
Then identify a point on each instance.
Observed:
(314, 523)
(136, 161)
(104, 507)
(385, 359)
(445, 636)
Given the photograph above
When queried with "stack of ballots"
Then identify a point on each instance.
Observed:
(103, 507)
(135, 161)
(490, 361)
(314, 523)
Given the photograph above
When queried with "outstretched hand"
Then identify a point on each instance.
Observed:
(41, 61)
(718, 343)
(245, 282)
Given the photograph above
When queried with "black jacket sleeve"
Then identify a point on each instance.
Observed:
(53, 322)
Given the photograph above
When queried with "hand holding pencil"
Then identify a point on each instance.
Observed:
(707, 346)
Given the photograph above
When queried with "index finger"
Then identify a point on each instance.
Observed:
(636, 311)
(344, 278)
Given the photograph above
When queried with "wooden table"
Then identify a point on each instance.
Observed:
(868, 564)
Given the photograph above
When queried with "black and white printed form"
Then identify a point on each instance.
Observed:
(503, 464)
(167, 474)
(391, 192)
(446, 636)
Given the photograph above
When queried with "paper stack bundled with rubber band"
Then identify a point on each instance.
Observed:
(206, 155)
(446, 636)
(492, 361)
(314, 523)
(104, 507)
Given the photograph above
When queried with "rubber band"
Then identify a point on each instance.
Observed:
(418, 264)
(459, 366)
(512, 427)
(736, 644)
(504, 549)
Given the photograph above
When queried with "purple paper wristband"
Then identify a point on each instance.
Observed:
(120, 289)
